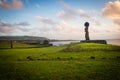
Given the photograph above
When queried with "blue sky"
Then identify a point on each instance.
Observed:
(60, 19)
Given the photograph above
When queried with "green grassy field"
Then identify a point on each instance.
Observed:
(18, 44)
(77, 61)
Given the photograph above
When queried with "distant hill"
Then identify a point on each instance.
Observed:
(56, 40)
(3, 38)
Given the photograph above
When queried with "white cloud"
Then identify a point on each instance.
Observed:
(44, 28)
(83, 13)
(97, 22)
(69, 14)
(6, 27)
(64, 26)
(44, 20)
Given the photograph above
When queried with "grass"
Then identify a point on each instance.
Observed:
(18, 44)
(71, 62)
(91, 46)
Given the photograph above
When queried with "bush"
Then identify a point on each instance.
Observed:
(92, 57)
(46, 42)
(58, 58)
(29, 58)
(71, 57)
(118, 57)
(104, 58)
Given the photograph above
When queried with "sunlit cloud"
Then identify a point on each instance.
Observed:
(6, 4)
(112, 11)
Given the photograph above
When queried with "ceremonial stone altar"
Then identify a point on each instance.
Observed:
(87, 38)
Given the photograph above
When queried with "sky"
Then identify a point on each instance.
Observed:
(60, 19)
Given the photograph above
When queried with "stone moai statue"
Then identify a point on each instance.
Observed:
(86, 31)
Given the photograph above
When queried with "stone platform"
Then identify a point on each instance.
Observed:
(94, 41)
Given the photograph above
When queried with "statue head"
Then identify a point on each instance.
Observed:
(86, 24)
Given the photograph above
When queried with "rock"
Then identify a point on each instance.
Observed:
(29, 58)
(92, 57)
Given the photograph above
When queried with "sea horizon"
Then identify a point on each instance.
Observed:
(109, 41)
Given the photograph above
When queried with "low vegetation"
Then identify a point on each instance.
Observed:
(74, 47)
(77, 61)
(20, 44)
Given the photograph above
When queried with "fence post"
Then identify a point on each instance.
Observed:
(11, 43)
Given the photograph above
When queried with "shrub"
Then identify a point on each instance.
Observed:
(104, 58)
(38, 59)
(29, 58)
(58, 58)
(118, 57)
(92, 57)
(71, 57)
(46, 42)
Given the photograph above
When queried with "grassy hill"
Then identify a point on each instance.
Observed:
(86, 61)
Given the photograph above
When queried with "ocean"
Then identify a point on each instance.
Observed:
(110, 41)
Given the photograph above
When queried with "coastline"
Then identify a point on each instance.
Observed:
(110, 41)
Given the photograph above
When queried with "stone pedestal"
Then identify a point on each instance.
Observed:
(94, 41)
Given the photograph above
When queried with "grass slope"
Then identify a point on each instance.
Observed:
(87, 61)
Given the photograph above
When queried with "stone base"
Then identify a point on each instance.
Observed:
(94, 41)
